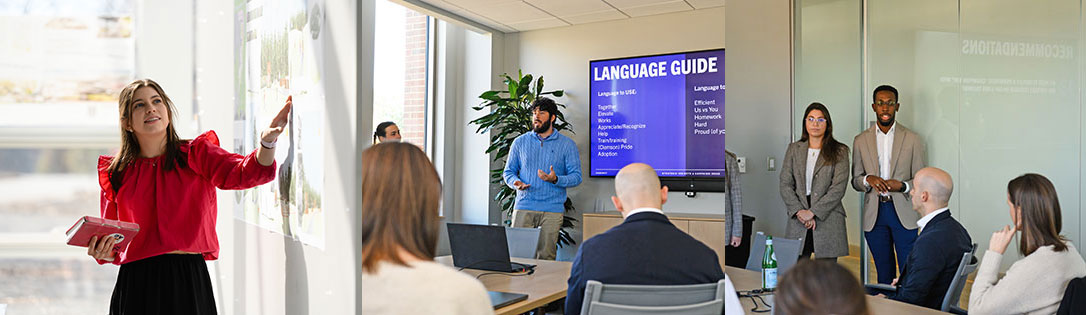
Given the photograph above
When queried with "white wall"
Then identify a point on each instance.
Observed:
(759, 96)
(463, 68)
(561, 56)
(260, 272)
(827, 70)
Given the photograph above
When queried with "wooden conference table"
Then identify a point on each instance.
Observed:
(546, 285)
(745, 280)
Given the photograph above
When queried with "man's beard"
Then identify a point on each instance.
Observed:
(887, 123)
(543, 127)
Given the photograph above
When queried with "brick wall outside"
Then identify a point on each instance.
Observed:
(413, 126)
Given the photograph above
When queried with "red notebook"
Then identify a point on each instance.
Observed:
(81, 232)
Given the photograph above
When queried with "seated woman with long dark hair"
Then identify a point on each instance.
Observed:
(1034, 284)
(401, 194)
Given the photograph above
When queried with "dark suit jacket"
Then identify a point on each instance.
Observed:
(932, 262)
(645, 249)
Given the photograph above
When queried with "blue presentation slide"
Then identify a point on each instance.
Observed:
(664, 110)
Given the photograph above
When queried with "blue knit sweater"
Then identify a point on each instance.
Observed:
(528, 155)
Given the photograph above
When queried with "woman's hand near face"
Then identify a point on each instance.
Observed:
(1000, 239)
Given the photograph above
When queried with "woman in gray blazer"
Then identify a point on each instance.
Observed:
(814, 177)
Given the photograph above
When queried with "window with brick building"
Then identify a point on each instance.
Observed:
(401, 71)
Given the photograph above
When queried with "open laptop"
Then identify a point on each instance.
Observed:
(482, 247)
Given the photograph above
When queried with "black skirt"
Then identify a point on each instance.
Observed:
(164, 284)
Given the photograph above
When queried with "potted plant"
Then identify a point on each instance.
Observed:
(509, 117)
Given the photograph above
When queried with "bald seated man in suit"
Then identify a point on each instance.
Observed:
(934, 259)
(645, 249)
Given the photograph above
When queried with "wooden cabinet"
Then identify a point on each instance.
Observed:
(712, 234)
(596, 224)
(707, 228)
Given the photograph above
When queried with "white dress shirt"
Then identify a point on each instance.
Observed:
(812, 158)
(884, 142)
(639, 210)
(924, 221)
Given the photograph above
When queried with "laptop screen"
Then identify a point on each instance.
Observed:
(479, 247)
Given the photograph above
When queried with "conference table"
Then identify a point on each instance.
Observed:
(745, 280)
(547, 284)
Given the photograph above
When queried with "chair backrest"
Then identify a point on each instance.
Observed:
(522, 241)
(1074, 298)
(608, 299)
(786, 250)
(965, 267)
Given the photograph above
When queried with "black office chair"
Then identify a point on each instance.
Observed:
(1074, 298)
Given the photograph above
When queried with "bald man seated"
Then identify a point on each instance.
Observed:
(645, 249)
(938, 250)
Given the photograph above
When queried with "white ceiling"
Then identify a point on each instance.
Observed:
(525, 15)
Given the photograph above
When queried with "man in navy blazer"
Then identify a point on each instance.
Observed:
(938, 250)
(645, 249)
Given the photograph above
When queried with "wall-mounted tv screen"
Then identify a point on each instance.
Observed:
(663, 110)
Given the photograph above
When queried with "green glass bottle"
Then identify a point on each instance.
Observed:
(769, 266)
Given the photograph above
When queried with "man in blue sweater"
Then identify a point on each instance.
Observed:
(541, 165)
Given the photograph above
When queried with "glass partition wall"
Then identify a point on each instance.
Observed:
(993, 87)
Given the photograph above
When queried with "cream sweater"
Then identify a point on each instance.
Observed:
(423, 288)
(1033, 285)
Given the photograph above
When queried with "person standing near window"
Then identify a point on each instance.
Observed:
(167, 186)
(885, 158)
(814, 178)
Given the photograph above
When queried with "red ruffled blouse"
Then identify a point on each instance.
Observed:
(177, 209)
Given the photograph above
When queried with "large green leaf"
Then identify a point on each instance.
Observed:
(523, 85)
(526, 80)
(513, 85)
(538, 87)
(491, 96)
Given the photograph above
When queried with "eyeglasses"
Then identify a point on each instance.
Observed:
(886, 104)
(816, 120)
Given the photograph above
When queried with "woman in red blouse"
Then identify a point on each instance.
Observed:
(167, 186)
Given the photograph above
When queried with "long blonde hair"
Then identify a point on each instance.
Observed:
(130, 147)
